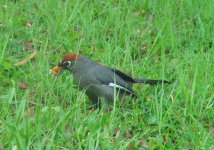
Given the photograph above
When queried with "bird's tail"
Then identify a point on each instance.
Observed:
(152, 82)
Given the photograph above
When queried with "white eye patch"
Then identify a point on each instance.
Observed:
(66, 63)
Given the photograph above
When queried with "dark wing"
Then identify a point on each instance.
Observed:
(114, 78)
(139, 80)
(123, 76)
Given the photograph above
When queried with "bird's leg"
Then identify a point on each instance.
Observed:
(103, 104)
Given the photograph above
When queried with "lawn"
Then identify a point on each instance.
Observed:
(162, 39)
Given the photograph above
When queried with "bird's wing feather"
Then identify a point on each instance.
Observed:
(123, 76)
(108, 92)
(107, 77)
(119, 87)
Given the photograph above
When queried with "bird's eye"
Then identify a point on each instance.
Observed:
(66, 63)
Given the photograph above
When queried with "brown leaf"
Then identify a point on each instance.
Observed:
(69, 129)
(164, 138)
(24, 61)
(91, 110)
(143, 143)
(130, 146)
(150, 17)
(28, 44)
(212, 131)
(29, 23)
(22, 85)
(106, 135)
(29, 112)
(116, 132)
(128, 135)
(36, 6)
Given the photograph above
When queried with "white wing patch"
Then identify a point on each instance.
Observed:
(118, 86)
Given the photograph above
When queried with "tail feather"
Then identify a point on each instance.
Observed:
(152, 82)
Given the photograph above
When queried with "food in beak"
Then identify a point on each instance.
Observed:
(55, 70)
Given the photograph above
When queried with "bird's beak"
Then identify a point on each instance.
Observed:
(55, 70)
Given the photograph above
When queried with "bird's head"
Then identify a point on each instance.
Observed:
(67, 62)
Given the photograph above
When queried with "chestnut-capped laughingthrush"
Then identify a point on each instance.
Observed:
(98, 80)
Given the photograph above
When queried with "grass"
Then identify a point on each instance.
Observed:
(157, 39)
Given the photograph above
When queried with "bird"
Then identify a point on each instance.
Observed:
(100, 81)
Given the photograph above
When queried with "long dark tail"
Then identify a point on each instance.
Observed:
(152, 82)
